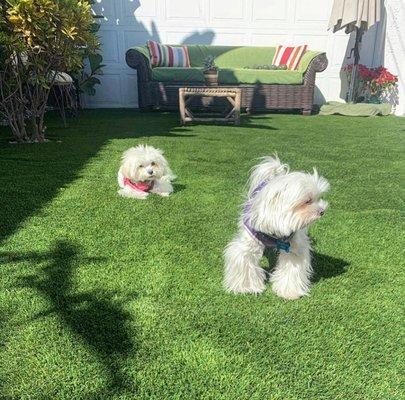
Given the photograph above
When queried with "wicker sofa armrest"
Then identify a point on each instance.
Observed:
(137, 59)
(318, 64)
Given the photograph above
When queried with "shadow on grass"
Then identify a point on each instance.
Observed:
(178, 187)
(32, 174)
(324, 266)
(246, 121)
(249, 121)
(93, 317)
(173, 133)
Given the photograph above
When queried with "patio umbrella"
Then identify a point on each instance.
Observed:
(358, 16)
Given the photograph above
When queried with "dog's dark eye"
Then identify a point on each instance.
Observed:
(153, 164)
(309, 201)
(141, 166)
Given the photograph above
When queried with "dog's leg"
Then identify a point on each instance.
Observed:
(243, 273)
(291, 277)
(133, 194)
(162, 188)
(120, 179)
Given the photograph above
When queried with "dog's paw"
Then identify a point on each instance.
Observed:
(288, 293)
(133, 194)
(164, 194)
(255, 287)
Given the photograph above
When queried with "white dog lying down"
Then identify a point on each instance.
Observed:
(280, 206)
(144, 170)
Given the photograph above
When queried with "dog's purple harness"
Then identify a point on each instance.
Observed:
(266, 239)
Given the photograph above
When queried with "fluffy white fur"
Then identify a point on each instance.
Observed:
(144, 163)
(290, 202)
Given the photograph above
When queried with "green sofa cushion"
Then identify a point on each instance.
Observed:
(174, 74)
(231, 56)
(241, 75)
(228, 76)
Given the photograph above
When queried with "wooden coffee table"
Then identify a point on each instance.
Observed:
(233, 95)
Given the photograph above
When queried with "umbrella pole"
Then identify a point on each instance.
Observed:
(352, 95)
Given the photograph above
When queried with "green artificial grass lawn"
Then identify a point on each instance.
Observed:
(110, 298)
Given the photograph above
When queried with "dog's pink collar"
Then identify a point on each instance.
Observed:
(142, 186)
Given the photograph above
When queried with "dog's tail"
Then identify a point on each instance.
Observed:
(268, 168)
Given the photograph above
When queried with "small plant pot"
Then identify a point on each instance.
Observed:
(211, 78)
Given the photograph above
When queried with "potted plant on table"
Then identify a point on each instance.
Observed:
(210, 71)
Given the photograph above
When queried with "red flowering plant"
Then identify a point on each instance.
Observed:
(375, 83)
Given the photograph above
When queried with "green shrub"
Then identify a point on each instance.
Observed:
(39, 38)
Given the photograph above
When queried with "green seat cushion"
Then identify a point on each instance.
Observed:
(228, 76)
(174, 74)
(278, 77)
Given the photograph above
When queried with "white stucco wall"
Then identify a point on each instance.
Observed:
(394, 47)
(223, 22)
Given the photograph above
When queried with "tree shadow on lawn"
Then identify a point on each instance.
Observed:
(93, 317)
(324, 266)
(32, 174)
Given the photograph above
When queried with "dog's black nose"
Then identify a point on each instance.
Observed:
(321, 212)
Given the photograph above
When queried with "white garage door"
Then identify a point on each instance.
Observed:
(128, 23)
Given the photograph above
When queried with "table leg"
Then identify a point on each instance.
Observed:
(237, 108)
(182, 107)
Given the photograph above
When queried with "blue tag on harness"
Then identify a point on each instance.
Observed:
(281, 245)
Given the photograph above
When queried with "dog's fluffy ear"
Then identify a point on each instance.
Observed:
(128, 161)
(130, 153)
(321, 183)
(168, 174)
(268, 168)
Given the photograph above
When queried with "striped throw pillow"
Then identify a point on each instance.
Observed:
(290, 56)
(162, 55)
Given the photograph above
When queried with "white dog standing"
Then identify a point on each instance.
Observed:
(280, 207)
(144, 170)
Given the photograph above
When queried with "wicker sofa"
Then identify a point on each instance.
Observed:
(261, 89)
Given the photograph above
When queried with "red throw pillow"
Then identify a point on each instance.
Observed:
(290, 56)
